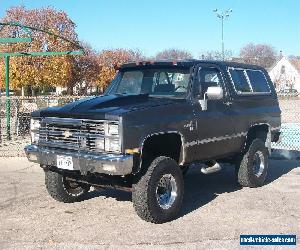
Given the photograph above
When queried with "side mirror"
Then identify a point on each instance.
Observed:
(214, 93)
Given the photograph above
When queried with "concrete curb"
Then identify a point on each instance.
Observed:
(284, 154)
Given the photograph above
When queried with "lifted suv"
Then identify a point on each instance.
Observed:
(152, 123)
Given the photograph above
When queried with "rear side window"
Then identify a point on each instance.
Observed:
(258, 81)
(239, 80)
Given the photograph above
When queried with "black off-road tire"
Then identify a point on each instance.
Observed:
(245, 170)
(144, 191)
(62, 190)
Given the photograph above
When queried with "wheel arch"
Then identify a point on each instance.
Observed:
(261, 131)
(170, 144)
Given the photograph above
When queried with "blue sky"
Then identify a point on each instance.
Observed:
(191, 24)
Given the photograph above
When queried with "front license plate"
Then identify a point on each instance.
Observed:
(65, 162)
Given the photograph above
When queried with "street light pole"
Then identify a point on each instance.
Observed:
(222, 15)
(223, 52)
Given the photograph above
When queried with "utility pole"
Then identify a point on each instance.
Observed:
(7, 101)
(222, 15)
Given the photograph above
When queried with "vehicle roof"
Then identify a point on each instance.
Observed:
(188, 63)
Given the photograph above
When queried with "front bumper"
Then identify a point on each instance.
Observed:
(112, 164)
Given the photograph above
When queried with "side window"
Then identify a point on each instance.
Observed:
(207, 77)
(210, 77)
(258, 81)
(239, 80)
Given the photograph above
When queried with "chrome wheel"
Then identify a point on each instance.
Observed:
(166, 191)
(258, 163)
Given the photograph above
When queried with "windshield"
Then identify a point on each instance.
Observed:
(165, 82)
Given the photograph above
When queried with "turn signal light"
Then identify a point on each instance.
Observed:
(132, 151)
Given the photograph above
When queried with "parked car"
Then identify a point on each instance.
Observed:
(152, 123)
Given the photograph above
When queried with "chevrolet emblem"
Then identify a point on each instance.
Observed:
(67, 134)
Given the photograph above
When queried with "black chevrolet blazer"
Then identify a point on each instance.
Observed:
(154, 121)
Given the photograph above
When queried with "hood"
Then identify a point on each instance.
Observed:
(103, 107)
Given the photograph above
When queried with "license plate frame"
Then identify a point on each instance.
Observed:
(64, 162)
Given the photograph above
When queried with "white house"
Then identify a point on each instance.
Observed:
(76, 89)
(286, 74)
(59, 90)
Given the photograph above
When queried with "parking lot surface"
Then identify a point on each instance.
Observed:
(215, 212)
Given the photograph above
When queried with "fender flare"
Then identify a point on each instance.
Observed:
(183, 149)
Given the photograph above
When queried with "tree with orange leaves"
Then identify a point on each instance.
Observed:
(85, 70)
(110, 60)
(39, 71)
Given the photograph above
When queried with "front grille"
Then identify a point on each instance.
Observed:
(80, 135)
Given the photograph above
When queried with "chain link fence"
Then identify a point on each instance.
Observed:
(20, 110)
(19, 120)
(21, 107)
(290, 127)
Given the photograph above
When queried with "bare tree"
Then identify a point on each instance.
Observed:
(216, 55)
(136, 55)
(261, 54)
(173, 54)
(294, 58)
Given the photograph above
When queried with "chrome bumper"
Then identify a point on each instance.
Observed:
(112, 164)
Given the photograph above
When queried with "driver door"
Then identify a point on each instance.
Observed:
(214, 126)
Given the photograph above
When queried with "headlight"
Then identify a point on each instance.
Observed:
(112, 144)
(34, 130)
(112, 129)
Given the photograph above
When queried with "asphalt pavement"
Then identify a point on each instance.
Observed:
(215, 212)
